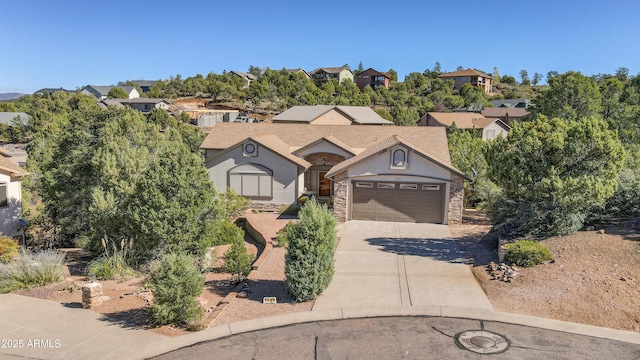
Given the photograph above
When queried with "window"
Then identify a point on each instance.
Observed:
(408, 186)
(399, 159)
(491, 134)
(463, 79)
(430, 187)
(251, 180)
(3, 195)
(386, 186)
(364, 185)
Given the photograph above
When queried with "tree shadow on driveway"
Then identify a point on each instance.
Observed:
(437, 249)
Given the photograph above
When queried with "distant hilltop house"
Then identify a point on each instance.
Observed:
(507, 115)
(101, 92)
(373, 79)
(49, 91)
(208, 117)
(299, 71)
(143, 105)
(331, 115)
(11, 118)
(470, 76)
(10, 194)
(246, 77)
(145, 85)
(320, 76)
(490, 127)
(511, 103)
(16, 153)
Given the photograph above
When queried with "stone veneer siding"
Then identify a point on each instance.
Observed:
(456, 199)
(324, 159)
(340, 190)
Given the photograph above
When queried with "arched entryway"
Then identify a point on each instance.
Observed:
(315, 182)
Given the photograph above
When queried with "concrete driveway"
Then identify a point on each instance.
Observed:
(393, 264)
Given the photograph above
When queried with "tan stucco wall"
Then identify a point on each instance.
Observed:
(331, 117)
(499, 131)
(10, 214)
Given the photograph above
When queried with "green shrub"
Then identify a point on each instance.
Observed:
(112, 265)
(282, 239)
(225, 233)
(527, 253)
(31, 269)
(236, 259)
(9, 249)
(175, 283)
(309, 260)
(233, 205)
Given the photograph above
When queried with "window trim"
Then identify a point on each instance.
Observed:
(431, 187)
(4, 188)
(404, 163)
(386, 185)
(364, 184)
(408, 186)
(259, 175)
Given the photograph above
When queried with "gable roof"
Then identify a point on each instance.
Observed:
(11, 168)
(295, 71)
(373, 71)
(384, 145)
(463, 120)
(306, 114)
(6, 117)
(503, 111)
(104, 90)
(432, 139)
(332, 140)
(466, 72)
(271, 142)
(511, 103)
(332, 70)
(145, 83)
(244, 75)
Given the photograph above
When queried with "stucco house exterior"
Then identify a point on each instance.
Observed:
(372, 78)
(380, 173)
(10, 194)
(321, 75)
(331, 115)
(144, 105)
(101, 92)
(490, 127)
(470, 76)
(246, 77)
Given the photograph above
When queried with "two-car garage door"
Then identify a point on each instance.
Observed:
(398, 201)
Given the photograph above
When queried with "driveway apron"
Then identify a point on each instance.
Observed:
(393, 264)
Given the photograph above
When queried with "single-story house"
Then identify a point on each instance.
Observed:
(331, 115)
(145, 85)
(246, 77)
(143, 105)
(380, 173)
(10, 195)
(490, 127)
(49, 91)
(101, 92)
(512, 103)
(507, 115)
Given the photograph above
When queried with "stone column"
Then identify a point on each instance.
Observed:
(91, 295)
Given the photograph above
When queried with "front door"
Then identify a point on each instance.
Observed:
(324, 187)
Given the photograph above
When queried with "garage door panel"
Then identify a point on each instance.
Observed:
(407, 202)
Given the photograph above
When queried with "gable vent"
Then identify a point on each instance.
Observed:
(250, 149)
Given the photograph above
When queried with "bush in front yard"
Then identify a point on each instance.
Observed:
(176, 282)
(31, 269)
(9, 249)
(527, 253)
(309, 260)
(236, 259)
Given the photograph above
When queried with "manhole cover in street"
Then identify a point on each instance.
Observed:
(482, 341)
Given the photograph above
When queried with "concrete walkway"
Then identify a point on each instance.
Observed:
(391, 264)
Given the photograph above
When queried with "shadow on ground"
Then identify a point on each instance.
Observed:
(129, 319)
(442, 250)
(258, 289)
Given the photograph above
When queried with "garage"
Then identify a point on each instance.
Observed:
(398, 201)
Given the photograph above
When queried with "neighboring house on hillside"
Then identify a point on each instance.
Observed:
(321, 75)
(507, 115)
(373, 79)
(16, 153)
(101, 92)
(143, 105)
(10, 195)
(49, 91)
(491, 128)
(145, 85)
(246, 77)
(380, 173)
(470, 76)
(511, 103)
(331, 115)
(12, 118)
(299, 71)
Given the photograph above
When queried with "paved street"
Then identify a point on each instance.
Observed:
(400, 264)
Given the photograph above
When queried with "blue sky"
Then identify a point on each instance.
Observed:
(74, 43)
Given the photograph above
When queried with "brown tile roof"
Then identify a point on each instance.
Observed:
(467, 72)
(382, 146)
(358, 114)
(503, 111)
(358, 138)
(463, 120)
(7, 166)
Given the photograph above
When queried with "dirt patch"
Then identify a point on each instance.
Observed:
(594, 278)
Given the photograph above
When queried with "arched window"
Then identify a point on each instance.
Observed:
(399, 159)
(251, 180)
